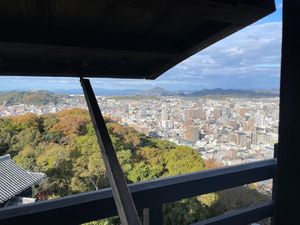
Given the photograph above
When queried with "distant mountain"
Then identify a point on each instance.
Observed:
(270, 91)
(46, 97)
(233, 92)
(157, 91)
(31, 97)
(103, 92)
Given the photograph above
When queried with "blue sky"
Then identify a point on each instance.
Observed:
(248, 59)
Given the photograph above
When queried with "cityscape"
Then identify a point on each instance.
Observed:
(229, 130)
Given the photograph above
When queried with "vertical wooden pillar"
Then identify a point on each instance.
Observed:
(287, 194)
(275, 182)
(153, 216)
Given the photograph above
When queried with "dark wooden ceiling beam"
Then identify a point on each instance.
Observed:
(71, 39)
(190, 4)
(70, 70)
(85, 53)
(227, 11)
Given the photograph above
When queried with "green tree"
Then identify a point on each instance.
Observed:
(125, 159)
(182, 160)
(7, 131)
(142, 171)
(89, 169)
(236, 198)
(56, 162)
(184, 212)
(26, 158)
(162, 144)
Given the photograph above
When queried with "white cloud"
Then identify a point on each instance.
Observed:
(252, 54)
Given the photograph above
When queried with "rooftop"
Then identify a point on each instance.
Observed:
(14, 179)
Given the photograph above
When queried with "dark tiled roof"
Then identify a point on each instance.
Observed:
(14, 179)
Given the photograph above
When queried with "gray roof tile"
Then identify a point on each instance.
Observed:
(14, 179)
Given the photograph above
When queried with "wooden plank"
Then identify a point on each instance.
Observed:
(243, 216)
(287, 197)
(124, 203)
(95, 205)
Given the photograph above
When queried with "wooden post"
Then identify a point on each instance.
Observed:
(275, 182)
(287, 193)
(153, 215)
(123, 199)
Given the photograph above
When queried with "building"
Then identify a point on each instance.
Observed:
(225, 111)
(193, 114)
(166, 124)
(242, 139)
(164, 115)
(192, 133)
(202, 114)
(143, 111)
(16, 183)
(217, 114)
(254, 138)
(232, 138)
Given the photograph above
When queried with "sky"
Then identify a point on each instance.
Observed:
(248, 59)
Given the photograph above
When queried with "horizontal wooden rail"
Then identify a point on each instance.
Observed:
(242, 216)
(95, 205)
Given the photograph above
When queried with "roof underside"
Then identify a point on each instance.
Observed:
(114, 38)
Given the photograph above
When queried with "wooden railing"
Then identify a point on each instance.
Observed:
(150, 196)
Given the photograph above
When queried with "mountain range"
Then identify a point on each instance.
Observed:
(156, 91)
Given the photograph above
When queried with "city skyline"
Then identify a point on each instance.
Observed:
(230, 130)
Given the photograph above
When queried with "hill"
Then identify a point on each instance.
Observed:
(31, 97)
(233, 92)
(157, 91)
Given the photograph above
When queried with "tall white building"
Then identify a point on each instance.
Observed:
(164, 115)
